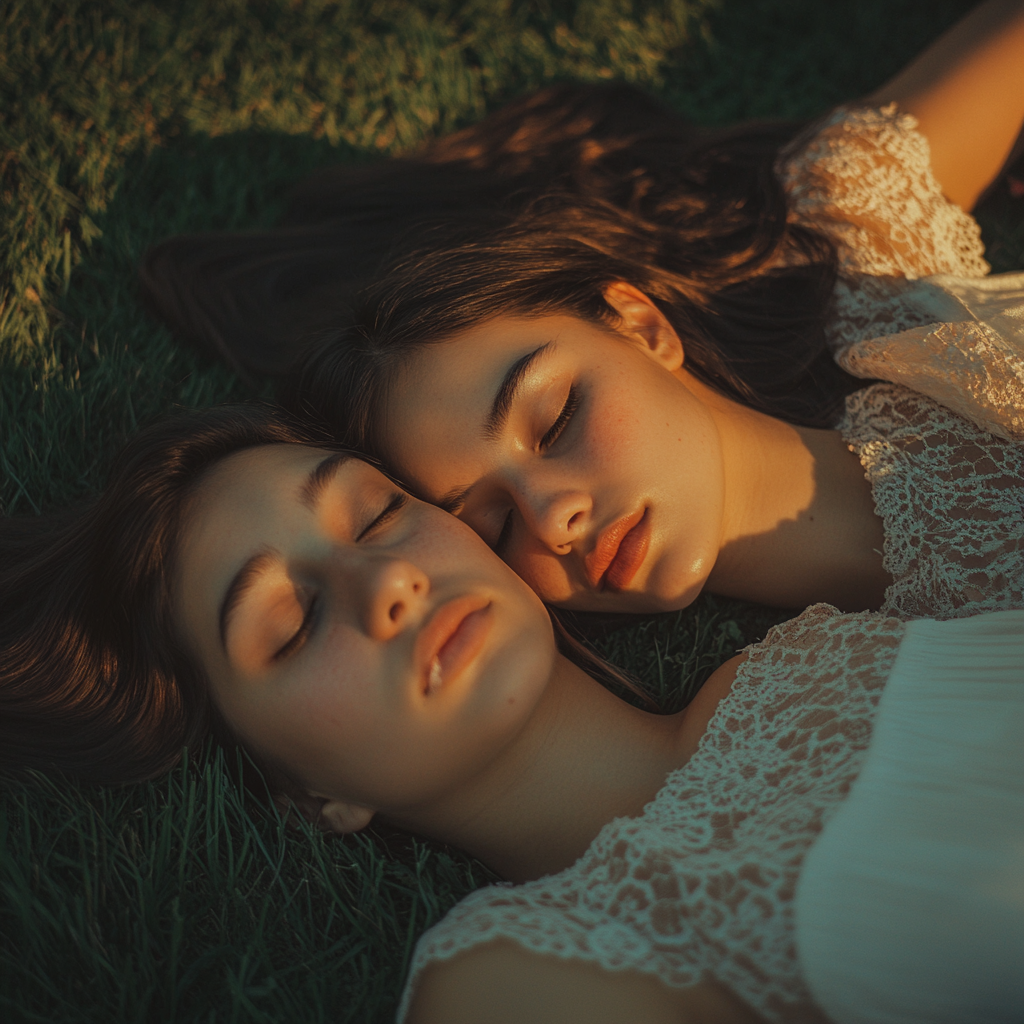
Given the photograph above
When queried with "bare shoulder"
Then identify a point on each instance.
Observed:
(722, 678)
(699, 712)
(501, 983)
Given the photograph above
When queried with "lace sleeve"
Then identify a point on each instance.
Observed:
(701, 884)
(952, 499)
(865, 179)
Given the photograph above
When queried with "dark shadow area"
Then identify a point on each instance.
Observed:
(798, 58)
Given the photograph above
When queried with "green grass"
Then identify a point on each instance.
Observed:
(122, 122)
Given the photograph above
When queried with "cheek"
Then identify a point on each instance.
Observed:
(634, 413)
(617, 420)
(544, 572)
(319, 721)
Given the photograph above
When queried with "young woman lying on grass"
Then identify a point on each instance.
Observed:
(612, 352)
(831, 830)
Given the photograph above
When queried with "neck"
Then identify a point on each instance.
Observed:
(584, 758)
(801, 525)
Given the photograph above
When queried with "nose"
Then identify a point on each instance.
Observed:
(396, 596)
(554, 514)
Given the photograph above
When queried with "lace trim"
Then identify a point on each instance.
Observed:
(702, 883)
(961, 342)
(865, 179)
(951, 497)
(868, 307)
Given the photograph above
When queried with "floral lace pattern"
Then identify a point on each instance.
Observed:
(702, 883)
(912, 305)
(865, 178)
(957, 340)
(867, 307)
(951, 496)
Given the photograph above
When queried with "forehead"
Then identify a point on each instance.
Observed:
(445, 395)
(240, 495)
(248, 487)
(471, 363)
(248, 501)
(250, 497)
(460, 376)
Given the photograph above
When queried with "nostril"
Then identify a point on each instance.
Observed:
(574, 517)
(394, 611)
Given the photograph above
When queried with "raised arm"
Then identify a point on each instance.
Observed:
(501, 983)
(967, 93)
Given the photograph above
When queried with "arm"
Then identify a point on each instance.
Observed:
(967, 93)
(501, 983)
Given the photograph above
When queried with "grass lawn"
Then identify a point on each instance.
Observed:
(123, 121)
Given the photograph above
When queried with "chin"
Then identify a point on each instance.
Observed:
(672, 595)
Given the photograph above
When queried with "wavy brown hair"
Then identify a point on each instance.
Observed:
(535, 209)
(94, 681)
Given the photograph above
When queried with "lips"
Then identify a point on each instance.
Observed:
(619, 552)
(451, 639)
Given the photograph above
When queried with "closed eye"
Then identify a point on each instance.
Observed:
(299, 637)
(572, 402)
(394, 506)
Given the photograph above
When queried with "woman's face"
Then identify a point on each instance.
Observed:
(368, 642)
(579, 454)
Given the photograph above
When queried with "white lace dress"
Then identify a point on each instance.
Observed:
(703, 884)
(951, 498)
(914, 305)
(910, 904)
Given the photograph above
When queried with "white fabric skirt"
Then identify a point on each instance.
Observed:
(910, 905)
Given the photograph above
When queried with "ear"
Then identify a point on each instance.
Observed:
(642, 323)
(325, 814)
(341, 817)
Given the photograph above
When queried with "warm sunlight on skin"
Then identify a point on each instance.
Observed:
(375, 649)
(610, 478)
(602, 454)
(369, 643)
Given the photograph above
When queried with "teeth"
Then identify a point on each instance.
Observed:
(435, 676)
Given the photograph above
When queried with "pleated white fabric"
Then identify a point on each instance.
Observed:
(910, 905)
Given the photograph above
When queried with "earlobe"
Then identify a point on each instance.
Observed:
(341, 817)
(642, 323)
(324, 814)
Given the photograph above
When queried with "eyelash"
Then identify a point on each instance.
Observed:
(393, 507)
(572, 403)
(301, 633)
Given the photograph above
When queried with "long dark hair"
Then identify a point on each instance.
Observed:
(93, 679)
(535, 208)
(239, 294)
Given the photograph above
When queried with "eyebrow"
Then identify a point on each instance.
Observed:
(507, 390)
(239, 586)
(309, 494)
(322, 474)
(453, 500)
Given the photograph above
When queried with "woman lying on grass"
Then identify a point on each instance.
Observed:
(832, 829)
(612, 352)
